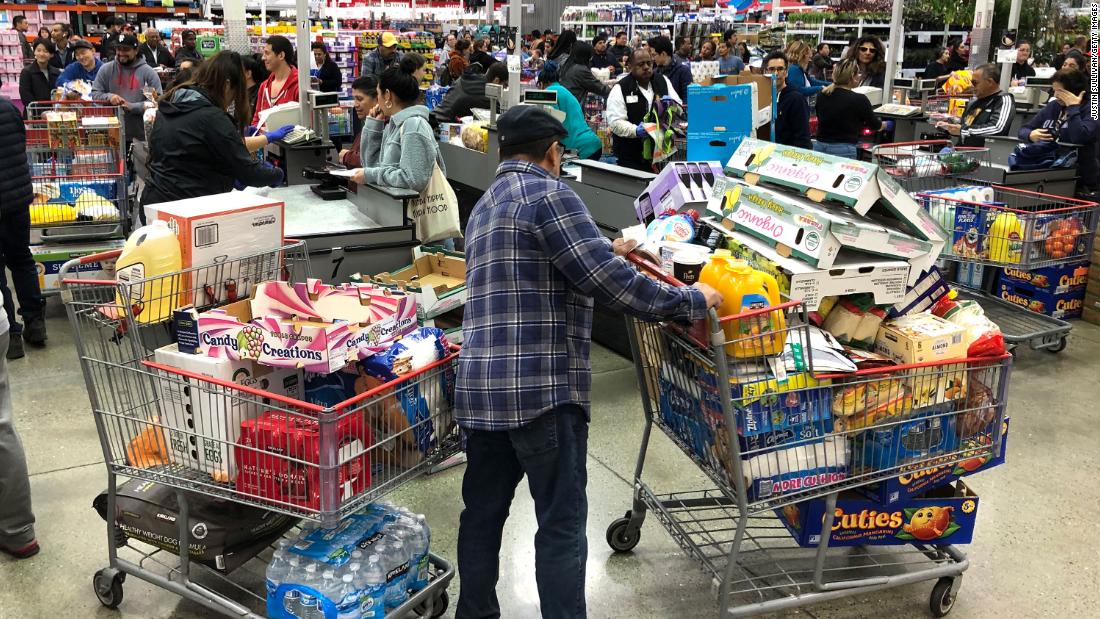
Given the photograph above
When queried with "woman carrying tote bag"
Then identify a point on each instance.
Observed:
(399, 149)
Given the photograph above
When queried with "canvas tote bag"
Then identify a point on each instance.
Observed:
(435, 210)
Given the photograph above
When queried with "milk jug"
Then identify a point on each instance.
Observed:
(148, 271)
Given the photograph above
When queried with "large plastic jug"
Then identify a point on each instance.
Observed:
(745, 289)
(1005, 238)
(148, 270)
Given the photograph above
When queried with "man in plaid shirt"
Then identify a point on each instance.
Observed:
(535, 263)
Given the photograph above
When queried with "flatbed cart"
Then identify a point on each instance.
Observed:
(759, 480)
(165, 425)
(1022, 230)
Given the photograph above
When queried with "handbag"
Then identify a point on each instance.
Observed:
(1035, 156)
(435, 211)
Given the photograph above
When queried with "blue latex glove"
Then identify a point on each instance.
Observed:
(667, 100)
(278, 134)
(640, 131)
(250, 131)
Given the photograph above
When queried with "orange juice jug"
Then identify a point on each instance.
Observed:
(147, 271)
(745, 289)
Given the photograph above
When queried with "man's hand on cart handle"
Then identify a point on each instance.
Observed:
(714, 298)
(622, 247)
(116, 100)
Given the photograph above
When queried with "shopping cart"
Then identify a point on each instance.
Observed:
(928, 165)
(188, 431)
(1022, 230)
(764, 460)
(77, 155)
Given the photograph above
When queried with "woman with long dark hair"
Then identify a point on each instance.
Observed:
(562, 47)
(870, 55)
(743, 50)
(195, 148)
(39, 78)
(328, 73)
(254, 74)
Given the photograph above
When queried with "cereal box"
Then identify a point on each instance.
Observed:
(945, 515)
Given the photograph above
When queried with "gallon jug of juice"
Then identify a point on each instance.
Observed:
(745, 289)
(1005, 238)
(145, 269)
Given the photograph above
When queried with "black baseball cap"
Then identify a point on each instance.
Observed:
(128, 40)
(82, 44)
(527, 123)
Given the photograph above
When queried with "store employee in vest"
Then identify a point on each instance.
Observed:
(627, 106)
(282, 85)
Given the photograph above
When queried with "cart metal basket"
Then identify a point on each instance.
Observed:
(781, 434)
(77, 154)
(927, 165)
(237, 440)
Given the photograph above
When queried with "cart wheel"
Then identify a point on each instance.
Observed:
(621, 537)
(439, 606)
(1057, 348)
(107, 584)
(942, 600)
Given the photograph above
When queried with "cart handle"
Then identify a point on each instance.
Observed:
(916, 143)
(397, 381)
(658, 273)
(235, 386)
(913, 366)
(115, 253)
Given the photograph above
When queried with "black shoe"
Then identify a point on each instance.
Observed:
(15, 347)
(34, 332)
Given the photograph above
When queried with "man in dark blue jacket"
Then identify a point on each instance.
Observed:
(16, 194)
(792, 113)
(1066, 118)
(679, 73)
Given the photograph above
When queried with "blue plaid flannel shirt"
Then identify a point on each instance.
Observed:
(373, 64)
(535, 263)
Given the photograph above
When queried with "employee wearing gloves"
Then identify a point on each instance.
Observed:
(990, 112)
(281, 86)
(196, 147)
(1066, 118)
(535, 265)
(581, 139)
(123, 81)
(630, 101)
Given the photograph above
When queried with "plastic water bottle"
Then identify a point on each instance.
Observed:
(396, 573)
(293, 598)
(307, 604)
(372, 588)
(347, 600)
(418, 572)
(277, 572)
(408, 532)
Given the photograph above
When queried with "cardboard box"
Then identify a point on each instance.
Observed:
(851, 273)
(49, 259)
(1056, 279)
(821, 177)
(437, 280)
(278, 458)
(946, 515)
(920, 338)
(814, 232)
(680, 185)
(221, 228)
(202, 421)
(1068, 304)
(310, 326)
(762, 86)
(913, 483)
(721, 116)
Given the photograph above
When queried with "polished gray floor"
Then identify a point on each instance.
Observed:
(1034, 554)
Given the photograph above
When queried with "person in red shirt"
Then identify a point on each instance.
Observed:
(282, 85)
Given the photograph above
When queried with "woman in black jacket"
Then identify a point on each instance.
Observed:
(38, 79)
(196, 147)
(327, 70)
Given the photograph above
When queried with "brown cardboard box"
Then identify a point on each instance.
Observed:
(763, 85)
(1090, 315)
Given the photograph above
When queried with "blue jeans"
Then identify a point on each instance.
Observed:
(840, 149)
(551, 451)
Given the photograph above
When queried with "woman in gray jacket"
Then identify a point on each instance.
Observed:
(398, 145)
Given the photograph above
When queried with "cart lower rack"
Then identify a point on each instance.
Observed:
(775, 449)
(208, 437)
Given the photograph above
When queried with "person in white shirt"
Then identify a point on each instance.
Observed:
(630, 101)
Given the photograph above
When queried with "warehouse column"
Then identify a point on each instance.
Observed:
(1013, 24)
(301, 15)
(236, 27)
(893, 50)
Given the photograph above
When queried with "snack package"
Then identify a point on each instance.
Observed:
(854, 321)
(931, 433)
(402, 416)
(982, 336)
(866, 403)
(673, 226)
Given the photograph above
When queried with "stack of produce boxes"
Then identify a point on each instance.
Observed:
(841, 236)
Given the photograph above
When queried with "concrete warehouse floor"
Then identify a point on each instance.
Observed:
(1034, 553)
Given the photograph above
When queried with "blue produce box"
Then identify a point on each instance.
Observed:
(1057, 279)
(1066, 304)
(945, 515)
(721, 115)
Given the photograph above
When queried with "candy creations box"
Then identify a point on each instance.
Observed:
(813, 232)
(945, 515)
(682, 184)
(202, 421)
(49, 259)
(310, 326)
(278, 458)
(437, 280)
(916, 482)
(213, 230)
(821, 177)
(850, 273)
(721, 116)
